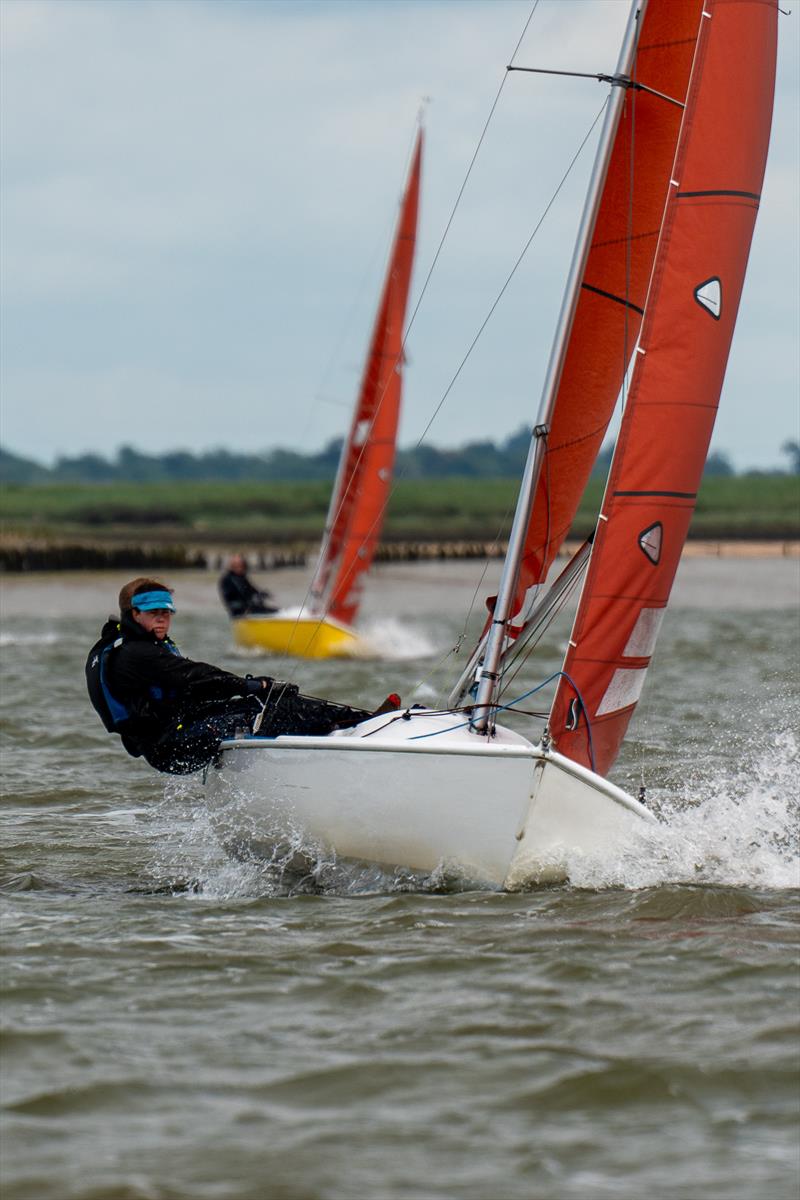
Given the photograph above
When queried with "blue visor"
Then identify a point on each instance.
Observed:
(147, 601)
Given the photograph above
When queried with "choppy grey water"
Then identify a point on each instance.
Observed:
(178, 1026)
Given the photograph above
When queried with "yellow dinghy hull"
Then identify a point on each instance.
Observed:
(302, 637)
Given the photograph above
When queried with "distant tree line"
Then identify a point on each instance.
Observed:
(485, 459)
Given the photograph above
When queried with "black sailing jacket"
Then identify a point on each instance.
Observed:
(240, 597)
(158, 685)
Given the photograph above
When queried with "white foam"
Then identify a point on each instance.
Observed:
(30, 639)
(738, 829)
(392, 640)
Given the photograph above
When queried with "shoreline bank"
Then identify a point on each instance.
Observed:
(19, 557)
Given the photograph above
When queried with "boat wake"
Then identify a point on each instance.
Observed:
(734, 829)
(393, 641)
(384, 638)
(31, 639)
(738, 828)
(193, 857)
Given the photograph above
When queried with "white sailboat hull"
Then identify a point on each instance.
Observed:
(423, 794)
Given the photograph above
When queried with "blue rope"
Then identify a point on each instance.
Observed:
(585, 712)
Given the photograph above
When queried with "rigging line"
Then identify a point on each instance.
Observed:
(478, 587)
(493, 543)
(626, 346)
(530, 638)
(477, 336)
(488, 316)
(469, 172)
(346, 324)
(443, 238)
(494, 305)
(548, 532)
(495, 708)
(439, 250)
(437, 666)
(513, 271)
(534, 627)
(427, 280)
(535, 635)
(628, 257)
(400, 358)
(334, 518)
(584, 709)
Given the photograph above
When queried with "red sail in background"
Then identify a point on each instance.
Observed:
(614, 286)
(685, 340)
(365, 470)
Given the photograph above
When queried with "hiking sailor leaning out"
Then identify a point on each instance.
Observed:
(174, 712)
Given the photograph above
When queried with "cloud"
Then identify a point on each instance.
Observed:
(194, 194)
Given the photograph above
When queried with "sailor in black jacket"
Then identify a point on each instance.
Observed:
(173, 711)
(239, 595)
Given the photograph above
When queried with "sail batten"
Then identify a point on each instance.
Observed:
(685, 340)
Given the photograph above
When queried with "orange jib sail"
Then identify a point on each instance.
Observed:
(609, 309)
(365, 472)
(680, 365)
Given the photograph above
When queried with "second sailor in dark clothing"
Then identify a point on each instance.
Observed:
(173, 711)
(239, 595)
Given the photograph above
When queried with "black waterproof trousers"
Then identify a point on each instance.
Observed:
(193, 741)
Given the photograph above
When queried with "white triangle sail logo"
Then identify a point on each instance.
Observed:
(650, 542)
(708, 295)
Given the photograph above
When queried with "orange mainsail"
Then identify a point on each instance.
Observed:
(364, 478)
(680, 365)
(614, 285)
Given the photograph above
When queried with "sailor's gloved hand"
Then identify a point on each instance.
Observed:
(265, 683)
(258, 683)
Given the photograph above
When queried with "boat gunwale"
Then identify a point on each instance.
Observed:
(375, 745)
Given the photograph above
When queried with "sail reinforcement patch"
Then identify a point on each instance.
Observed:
(642, 641)
(624, 689)
(708, 295)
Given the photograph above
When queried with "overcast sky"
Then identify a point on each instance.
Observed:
(197, 198)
